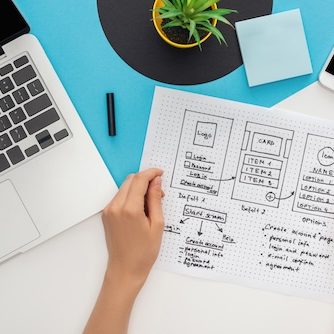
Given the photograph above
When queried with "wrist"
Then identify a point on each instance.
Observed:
(122, 279)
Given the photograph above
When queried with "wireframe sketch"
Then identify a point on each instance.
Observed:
(201, 153)
(315, 189)
(262, 164)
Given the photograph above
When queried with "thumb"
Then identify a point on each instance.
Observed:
(154, 205)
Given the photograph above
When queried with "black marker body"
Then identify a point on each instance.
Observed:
(111, 114)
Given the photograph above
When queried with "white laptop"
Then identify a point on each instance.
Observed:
(51, 175)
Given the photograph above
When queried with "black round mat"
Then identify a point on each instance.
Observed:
(127, 25)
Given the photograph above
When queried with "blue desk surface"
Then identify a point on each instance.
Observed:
(72, 36)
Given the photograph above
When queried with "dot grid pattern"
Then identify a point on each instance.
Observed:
(251, 226)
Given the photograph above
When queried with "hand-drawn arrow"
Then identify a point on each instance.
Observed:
(270, 197)
(219, 228)
(182, 221)
(224, 180)
(283, 198)
(200, 229)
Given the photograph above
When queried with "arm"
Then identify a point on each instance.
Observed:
(133, 224)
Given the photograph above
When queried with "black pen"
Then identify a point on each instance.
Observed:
(111, 114)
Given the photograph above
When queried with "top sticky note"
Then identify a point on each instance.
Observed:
(274, 47)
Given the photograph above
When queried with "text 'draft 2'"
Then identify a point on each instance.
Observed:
(315, 189)
(201, 153)
(262, 164)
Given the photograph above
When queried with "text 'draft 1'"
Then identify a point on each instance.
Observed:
(201, 154)
(315, 189)
(262, 164)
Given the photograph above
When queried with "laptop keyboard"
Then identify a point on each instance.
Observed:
(30, 122)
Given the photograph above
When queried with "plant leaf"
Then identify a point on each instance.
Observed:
(205, 6)
(192, 27)
(178, 4)
(192, 3)
(161, 10)
(174, 23)
(200, 3)
(168, 3)
(197, 39)
(226, 21)
(212, 15)
(170, 14)
(224, 11)
(214, 31)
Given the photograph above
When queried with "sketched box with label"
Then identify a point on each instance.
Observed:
(262, 164)
(315, 189)
(201, 153)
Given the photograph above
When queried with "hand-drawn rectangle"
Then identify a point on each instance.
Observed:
(261, 171)
(258, 161)
(205, 134)
(245, 140)
(260, 176)
(258, 180)
(315, 188)
(263, 143)
(287, 148)
(205, 214)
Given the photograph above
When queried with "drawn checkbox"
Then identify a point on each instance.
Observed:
(189, 155)
(186, 164)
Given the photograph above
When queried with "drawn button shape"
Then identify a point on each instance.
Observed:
(326, 156)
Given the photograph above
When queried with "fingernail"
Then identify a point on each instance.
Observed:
(157, 181)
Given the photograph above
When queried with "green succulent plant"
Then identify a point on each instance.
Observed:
(195, 16)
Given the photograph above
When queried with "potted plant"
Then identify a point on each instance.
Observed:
(188, 23)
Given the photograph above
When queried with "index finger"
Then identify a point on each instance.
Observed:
(139, 186)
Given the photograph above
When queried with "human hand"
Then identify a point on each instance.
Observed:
(133, 223)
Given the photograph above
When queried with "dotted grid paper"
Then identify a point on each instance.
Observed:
(249, 193)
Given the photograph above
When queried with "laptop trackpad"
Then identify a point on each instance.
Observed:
(16, 226)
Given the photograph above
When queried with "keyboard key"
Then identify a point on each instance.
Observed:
(31, 150)
(18, 134)
(4, 123)
(37, 105)
(44, 138)
(41, 121)
(21, 95)
(17, 115)
(6, 69)
(24, 75)
(6, 103)
(6, 85)
(15, 155)
(35, 87)
(4, 164)
(5, 142)
(61, 135)
(21, 61)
